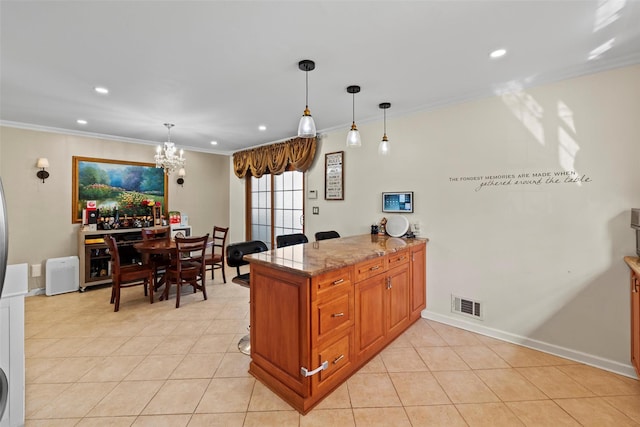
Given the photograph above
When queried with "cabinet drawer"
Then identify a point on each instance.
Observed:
(338, 355)
(335, 313)
(370, 268)
(333, 281)
(398, 258)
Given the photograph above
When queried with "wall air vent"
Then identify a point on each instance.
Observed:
(467, 307)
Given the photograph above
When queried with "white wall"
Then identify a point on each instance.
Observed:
(545, 260)
(39, 213)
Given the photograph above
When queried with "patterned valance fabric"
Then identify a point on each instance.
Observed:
(274, 158)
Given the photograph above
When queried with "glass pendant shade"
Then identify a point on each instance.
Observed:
(384, 147)
(353, 137)
(306, 127)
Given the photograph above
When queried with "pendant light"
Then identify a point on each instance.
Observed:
(383, 148)
(353, 137)
(307, 127)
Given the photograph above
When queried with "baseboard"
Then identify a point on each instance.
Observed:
(567, 353)
(34, 292)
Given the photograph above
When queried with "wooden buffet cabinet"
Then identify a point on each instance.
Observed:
(634, 265)
(321, 310)
(95, 268)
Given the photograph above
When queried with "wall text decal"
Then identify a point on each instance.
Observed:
(523, 178)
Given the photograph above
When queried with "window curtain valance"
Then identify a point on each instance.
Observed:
(274, 158)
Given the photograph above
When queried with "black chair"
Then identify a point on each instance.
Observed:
(324, 235)
(235, 258)
(290, 240)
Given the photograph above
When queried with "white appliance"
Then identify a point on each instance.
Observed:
(4, 249)
(13, 288)
(62, 275)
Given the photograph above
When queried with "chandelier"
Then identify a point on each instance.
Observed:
(166, 156)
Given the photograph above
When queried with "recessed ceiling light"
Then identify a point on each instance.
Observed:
(262, 128)
(214, 142)
(101, 90)
(81, 122)
(498, 53)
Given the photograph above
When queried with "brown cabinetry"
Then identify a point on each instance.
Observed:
(634, 264)
(635, 320)
(382, 305)
(310, 331)
(418, 280)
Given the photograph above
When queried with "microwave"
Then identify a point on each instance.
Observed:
(635, 224)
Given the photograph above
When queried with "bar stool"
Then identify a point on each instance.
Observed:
(235, 258)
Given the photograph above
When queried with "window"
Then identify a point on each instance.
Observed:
(277, 205)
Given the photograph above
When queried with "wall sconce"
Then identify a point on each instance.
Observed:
(42, 163)
(181, 174)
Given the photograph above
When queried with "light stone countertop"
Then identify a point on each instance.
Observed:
(314, 258)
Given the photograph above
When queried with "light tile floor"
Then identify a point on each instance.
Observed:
(155, 365)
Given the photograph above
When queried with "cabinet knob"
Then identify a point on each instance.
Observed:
(374, 268)
(337, 282)
(337, 315)
(337, 359)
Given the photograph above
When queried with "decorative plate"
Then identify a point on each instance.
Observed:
(397, 226)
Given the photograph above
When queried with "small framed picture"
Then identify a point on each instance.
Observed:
(334, 176)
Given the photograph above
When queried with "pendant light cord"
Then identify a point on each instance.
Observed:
(306, 89)
(385, 121)
(353, 107)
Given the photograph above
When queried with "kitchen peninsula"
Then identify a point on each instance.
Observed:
(321, 310)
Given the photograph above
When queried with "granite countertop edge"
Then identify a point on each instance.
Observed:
(315, 258)
(633, 263)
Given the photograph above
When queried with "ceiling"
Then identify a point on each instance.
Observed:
(220, 69)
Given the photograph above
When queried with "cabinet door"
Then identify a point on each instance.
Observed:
(635, 322)
(397, 299)
(370, 315)
(418, 280)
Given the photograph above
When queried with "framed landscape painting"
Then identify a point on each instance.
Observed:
(128, 188)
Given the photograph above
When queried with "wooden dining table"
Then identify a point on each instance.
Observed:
(161, 247)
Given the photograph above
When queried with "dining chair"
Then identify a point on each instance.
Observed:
(235, 258)
(159, 262)
(127, 276)
(189, 268)
(216, 258)
(290, 239)
(325, 235)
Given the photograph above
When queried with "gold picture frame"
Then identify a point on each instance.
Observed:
(334, 176)
(118, 184)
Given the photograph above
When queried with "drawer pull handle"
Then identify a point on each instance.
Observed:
(337, 359)
(374, 268)
(337, 315)
(307, 373)
(337, 282)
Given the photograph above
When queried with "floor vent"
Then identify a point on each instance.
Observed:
(467, 307)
